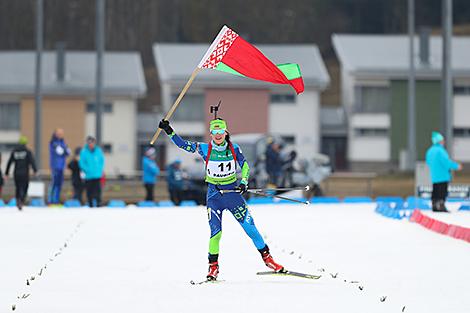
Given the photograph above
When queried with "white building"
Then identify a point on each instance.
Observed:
(374, 73)
(68, 80)
(250, 106)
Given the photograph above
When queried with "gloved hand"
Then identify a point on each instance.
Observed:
(165, 125)
(242, 188)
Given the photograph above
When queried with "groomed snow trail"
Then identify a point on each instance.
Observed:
(141, 260)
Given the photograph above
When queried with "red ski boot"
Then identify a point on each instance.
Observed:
(213, 271)
(269, 261)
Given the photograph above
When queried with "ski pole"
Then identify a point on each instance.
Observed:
(279, 197)
(260, 193)
(306, 188)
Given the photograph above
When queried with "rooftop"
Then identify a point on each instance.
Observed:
(389, 55)
(122, 75)
(176, 62)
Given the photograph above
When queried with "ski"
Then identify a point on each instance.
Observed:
(290, 273)
(206, 281)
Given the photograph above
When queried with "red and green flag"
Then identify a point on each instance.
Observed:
(232, 54)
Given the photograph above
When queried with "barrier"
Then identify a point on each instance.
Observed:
(12, 202)
(166, 203)
(417, 203)
(390, 199)
(37, 202)
(72, 203)
(188, 203)
(2, 204)
(325, 200)
(465, 207)
(256, 200)
(146, 204)
(454, 231)
(392, 210)
(357, 200)
(116, 204)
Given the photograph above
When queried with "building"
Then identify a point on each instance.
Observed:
(68, 87)
(374, 78)
(334, 136)
(248, 105)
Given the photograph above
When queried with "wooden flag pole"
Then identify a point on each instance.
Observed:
(177, 102)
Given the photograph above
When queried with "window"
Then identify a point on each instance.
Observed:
(462, 90)
(288, 139)
(462, 132)
(7, 147)
(193, 138)
(191, 109)
(372, 99)
(107, 148)
(371, 132)
(9, 116)
(107, 107)
(280, 98)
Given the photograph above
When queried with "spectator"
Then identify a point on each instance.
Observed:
(58, 153)
(440, 166)
(175, 181)
(151, 171)
(288, 170)
(77, 182)
(23, 159)
(273, 163)
(1, 176)
(91, 163)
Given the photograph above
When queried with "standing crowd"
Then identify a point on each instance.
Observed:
(86, 166)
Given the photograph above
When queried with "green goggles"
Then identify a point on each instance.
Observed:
(218, 131)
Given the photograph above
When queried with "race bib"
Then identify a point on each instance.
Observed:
(59, 150)
(221, 169)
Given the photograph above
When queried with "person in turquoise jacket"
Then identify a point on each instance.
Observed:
(151, 171)
(92, 165)
(440, 166)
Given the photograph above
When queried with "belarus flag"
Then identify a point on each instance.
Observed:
(230, 53)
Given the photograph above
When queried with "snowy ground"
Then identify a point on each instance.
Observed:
(141, 260)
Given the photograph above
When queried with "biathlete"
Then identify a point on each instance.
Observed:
(221, 157)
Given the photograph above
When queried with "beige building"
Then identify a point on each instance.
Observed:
(68, 81)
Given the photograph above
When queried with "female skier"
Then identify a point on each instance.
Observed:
(221, 157)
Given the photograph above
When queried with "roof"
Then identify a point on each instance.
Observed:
(388, 55)
(176, 62)
(122, 74)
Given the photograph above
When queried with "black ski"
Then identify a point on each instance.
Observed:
(207, 281)
(290, 273)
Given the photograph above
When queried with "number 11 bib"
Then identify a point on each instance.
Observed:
(220, 169)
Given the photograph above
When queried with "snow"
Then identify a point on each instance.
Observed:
(141, 260)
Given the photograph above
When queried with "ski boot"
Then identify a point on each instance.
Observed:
(439, 206)
(213, 271)
(269, 261)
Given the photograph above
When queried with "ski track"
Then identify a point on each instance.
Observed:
(141, 260)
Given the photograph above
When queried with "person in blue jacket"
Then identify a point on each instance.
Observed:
(92, 165)
(440, 166)
(175, 181)
(151, 171)
(58, 153)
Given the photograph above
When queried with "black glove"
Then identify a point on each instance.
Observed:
(242, 188)
(165, 125)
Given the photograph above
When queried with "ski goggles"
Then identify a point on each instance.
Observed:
(218, 131)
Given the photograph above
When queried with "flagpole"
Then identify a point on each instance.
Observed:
(177, 102)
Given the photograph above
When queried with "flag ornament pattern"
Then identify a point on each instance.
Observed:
(220, 49)
(230, 53)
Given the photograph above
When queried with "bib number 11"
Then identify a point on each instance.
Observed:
(227, 166)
